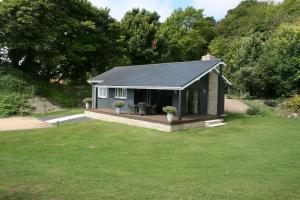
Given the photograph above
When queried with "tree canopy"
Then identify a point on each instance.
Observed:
(186, 35)
(259, 42)
(57, 39)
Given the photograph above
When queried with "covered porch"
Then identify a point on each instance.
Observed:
(156, 118)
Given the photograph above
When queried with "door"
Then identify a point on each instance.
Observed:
(192, 101)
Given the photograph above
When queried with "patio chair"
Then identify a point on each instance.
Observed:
(152, 109)
(142, 108)
(131, 109)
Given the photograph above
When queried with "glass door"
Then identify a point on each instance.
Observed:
(192, 101)
(195, 101)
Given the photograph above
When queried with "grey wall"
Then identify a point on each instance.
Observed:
(202, 86)
(107, 102)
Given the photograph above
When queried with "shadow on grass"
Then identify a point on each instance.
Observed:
(234, 116)
(16, 195)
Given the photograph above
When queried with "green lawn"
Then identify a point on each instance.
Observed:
(250, 158)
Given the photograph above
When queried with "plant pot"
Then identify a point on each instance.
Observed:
(87, 105)
(118, 110)
(170, 117)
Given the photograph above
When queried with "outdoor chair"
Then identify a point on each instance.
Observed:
(152, 109)
(132, 109)
(142, 108)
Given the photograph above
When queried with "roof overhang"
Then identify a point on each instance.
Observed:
(97, 83)
(211, 69)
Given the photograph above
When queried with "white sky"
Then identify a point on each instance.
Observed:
(215, 8)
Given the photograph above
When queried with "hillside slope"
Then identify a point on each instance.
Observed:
(16, 88)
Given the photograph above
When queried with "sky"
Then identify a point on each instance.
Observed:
(215, 8)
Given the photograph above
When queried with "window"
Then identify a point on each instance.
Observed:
(121, 93)
(102, 92)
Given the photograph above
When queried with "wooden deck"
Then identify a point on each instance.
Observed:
(161, 119)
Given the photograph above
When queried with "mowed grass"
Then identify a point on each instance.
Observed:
(250, 158)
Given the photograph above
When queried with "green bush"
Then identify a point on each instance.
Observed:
(270, 103)
(118, 104)
(169, 109)
(14, 104)
(87, 100)
(254, 110)
(293, 102)
(17, 88)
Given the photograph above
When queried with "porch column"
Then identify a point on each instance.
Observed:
(94, 96)
(179, 111)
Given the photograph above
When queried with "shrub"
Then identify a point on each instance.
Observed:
(14, 104)
(118, 104)
(293, 102)
(270, 102)
(169, 109)
(254, 110)
(87, 100)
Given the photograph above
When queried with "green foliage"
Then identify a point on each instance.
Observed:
(58, 39)
(270, 102)
(118, 104)
(17, 87)
(254, 110)
(259, 41)
(278, 69)
(293, 102)
(169, 109)
(87, 100)
(14, 103)
(138, 29)
(186, 34)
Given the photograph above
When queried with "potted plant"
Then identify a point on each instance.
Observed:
(88, 102)
(170, 110)
(118, 105)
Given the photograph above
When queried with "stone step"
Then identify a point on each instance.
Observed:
(215, 125)
(215, 121)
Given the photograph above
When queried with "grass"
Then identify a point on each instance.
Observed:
(250, 158)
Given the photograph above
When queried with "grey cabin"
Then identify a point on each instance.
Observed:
(193, 87)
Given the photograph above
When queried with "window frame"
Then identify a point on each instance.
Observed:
(122, 94)
(102, 95)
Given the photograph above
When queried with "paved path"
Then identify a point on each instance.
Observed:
(78, 117)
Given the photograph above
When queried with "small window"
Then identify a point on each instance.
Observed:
(102, 92)
(121, 93)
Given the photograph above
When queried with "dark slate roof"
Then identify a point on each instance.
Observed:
(155, 75)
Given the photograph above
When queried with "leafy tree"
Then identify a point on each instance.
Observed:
(245, 42)
(139, 28)
(186, 34)
(57, 39)
(278, 69)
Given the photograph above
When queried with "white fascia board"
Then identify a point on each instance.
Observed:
(199, 77)
(140, 87)
(227, 81)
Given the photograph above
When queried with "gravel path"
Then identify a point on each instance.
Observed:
(235, 106)
(22, 123)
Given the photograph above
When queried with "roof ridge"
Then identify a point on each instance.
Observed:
(168, 63)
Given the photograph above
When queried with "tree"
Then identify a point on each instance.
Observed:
(57, 39)
(245, 43)
(186, 34)
(139, 28)
(278, 69)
